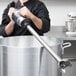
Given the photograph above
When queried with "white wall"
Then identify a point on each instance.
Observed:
(2, 7)
(58, 14)
(58, 10)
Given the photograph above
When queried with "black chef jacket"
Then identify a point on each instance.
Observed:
(37, 8)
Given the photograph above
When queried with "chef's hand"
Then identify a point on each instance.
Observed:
(10, 12)
(25, 12)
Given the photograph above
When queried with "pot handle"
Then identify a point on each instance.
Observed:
(65, 45)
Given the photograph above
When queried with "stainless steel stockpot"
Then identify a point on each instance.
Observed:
(25, 56)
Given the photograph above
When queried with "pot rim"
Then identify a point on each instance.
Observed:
(51, 41)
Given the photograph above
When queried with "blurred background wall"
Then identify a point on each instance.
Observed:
(58, 10)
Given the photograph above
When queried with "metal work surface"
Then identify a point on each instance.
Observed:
(60, 32)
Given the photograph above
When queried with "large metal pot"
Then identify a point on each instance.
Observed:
(25, 56)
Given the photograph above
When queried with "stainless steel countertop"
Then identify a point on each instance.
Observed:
(60, 32)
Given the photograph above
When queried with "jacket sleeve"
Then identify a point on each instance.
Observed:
(44, 15)
(5, 21)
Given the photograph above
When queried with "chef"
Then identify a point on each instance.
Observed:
(34, 10)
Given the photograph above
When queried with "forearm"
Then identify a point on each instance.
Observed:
(37, 21)
(9, 28)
